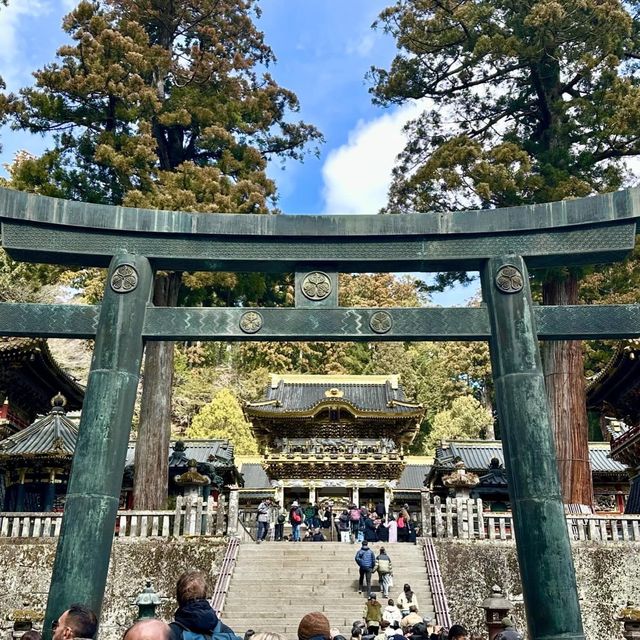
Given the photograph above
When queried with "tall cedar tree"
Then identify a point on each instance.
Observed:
(525, 102)
(167, 104)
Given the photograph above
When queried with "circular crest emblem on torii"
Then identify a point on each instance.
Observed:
(316, 285)
(381, 322)
(509, 279)
(251, 322)
(124, 279)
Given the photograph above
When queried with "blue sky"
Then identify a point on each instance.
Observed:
(324, 49)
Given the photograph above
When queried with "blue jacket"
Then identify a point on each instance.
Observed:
(365, 558)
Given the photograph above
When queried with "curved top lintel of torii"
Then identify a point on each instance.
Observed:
(586, 230)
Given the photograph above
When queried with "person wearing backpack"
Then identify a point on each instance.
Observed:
(195, 619)
(354, 518)
(295, 518)
(263, 520)
(385, 572)
(344, 526)
(366, 560)
(509, 632)
(281, 518)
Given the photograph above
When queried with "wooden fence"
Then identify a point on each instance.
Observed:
(189, 518)
(466, 519)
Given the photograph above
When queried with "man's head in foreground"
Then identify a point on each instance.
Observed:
(78, 621)
(150, 629)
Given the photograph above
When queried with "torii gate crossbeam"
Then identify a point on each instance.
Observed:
(501, 244)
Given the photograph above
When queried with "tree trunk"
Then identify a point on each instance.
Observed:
(154, 431)
(564, 378)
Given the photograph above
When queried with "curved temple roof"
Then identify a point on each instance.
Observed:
(304, 395)
(51, 436)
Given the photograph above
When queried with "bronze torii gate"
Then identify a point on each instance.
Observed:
(501, 244)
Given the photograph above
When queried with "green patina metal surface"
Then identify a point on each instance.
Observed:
(598, 229)
(82, 556)
(544, 553)
(341, 324)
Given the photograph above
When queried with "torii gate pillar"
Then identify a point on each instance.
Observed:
(84, 548)
(544, 552)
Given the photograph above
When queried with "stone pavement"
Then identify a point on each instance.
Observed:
(276, 583)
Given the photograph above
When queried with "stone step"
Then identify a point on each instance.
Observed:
(314, 568)
(315, 589)
(340, 600)
(350, 598)
(349, 608)
(339, 547)
(330, 547)
(275, 585)
(317, 579)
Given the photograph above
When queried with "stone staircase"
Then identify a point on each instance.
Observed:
(275, 584)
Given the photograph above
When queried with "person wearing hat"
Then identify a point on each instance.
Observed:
(366, 560)
(295, 518)
(314, 626)
(413, 617)
(372, 614)
(508, 632)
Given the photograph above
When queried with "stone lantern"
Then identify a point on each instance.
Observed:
(496, 607)
(192, 482)
(147, 601)
(630, 616)
(461, 480)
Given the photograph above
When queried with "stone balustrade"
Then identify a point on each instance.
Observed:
(189, 518)
(451, 518)
(467, 519)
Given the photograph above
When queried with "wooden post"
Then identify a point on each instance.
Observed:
(84, 547)
(544, 552)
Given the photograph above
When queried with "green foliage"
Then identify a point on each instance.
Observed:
(437, 374)
(22, 282)
(531, 101)
(223, 418)
(466, 418)
(161, 104)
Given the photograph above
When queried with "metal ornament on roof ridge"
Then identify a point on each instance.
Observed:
(381, 322)
(124, 278)
(509, 279)
(316, 285)
(251, 322)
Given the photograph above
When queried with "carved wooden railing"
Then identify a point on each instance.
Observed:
(467, 519)
(189, 518)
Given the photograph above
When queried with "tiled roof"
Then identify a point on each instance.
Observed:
(413, 476)
(254, 476)
(28, 368)
(477, 454)
(52, 434)
(366, 393)
(216, 452)
(600, 460)
(19, 345)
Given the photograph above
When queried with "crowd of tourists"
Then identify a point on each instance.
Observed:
(195, 619)
(354, 524)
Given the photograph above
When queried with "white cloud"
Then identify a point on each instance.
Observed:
(15, 42)
(361, 47)
(357, 174)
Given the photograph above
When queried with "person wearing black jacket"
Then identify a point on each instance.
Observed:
(194, 612)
